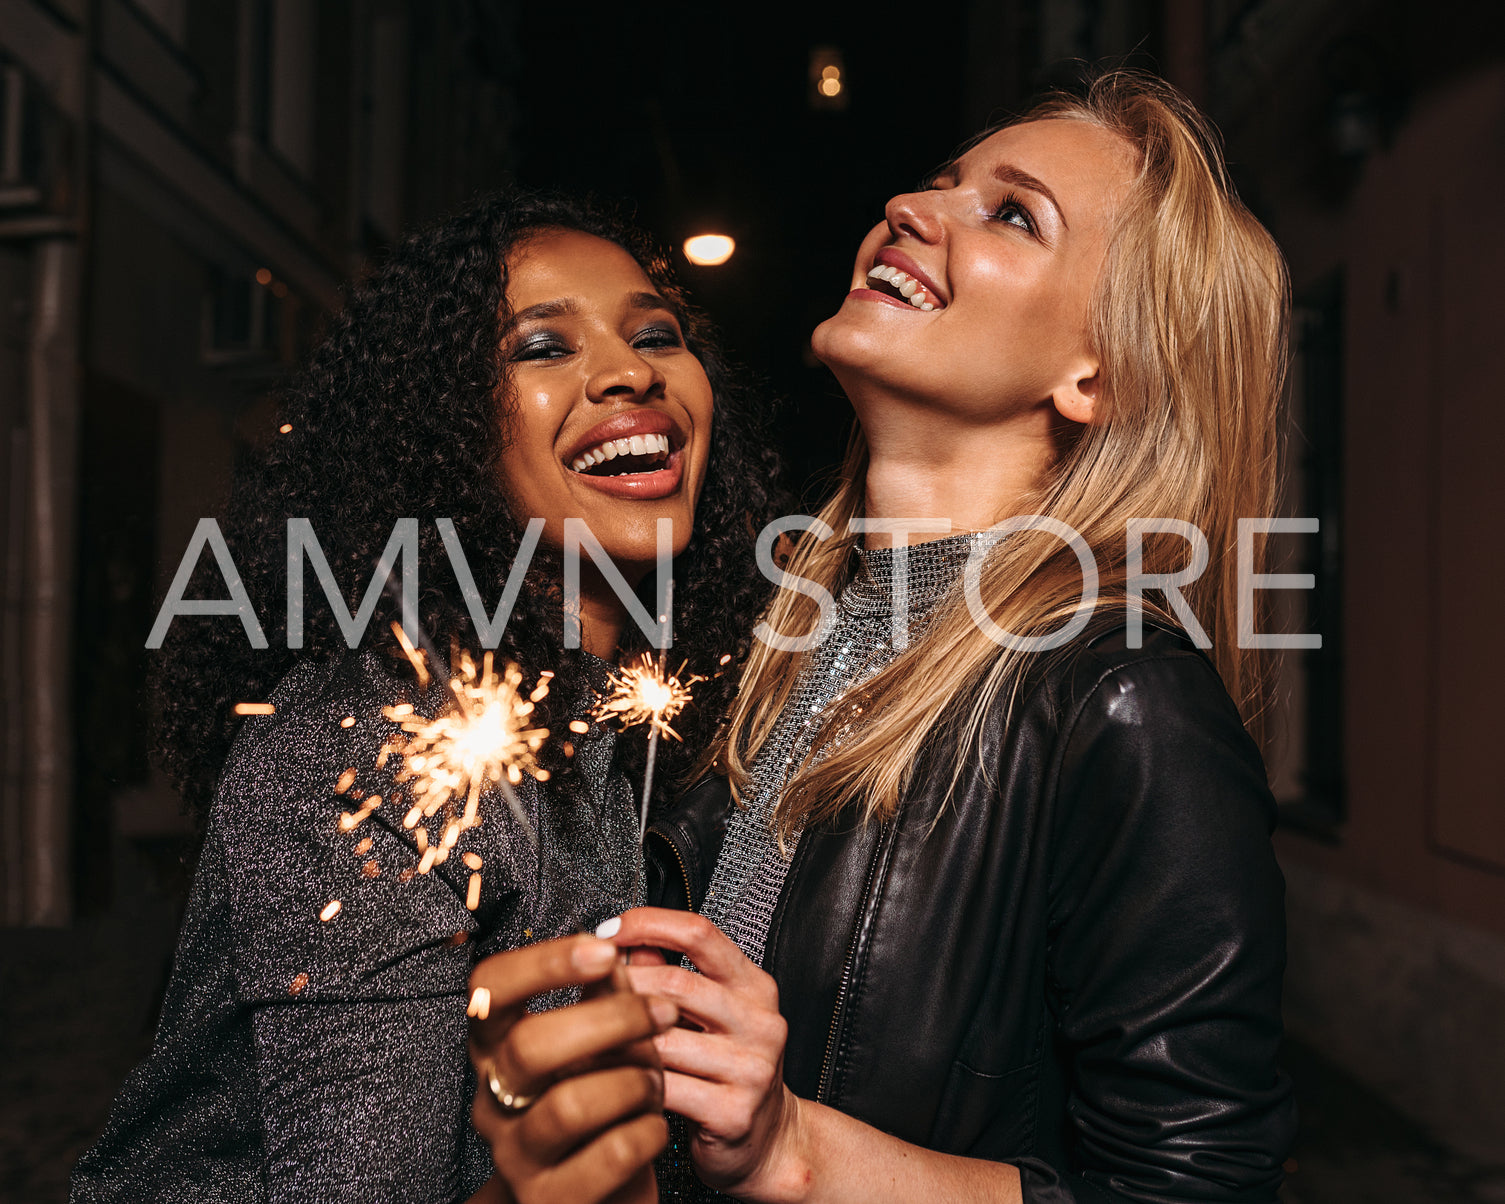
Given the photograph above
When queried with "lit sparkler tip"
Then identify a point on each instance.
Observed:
(642, 691)
(483, 738)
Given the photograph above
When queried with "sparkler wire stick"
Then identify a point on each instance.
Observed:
(663, 657)
(652, 753)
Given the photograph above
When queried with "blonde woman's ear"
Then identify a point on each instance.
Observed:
(1076, 400)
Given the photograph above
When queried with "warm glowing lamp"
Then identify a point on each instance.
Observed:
(709, 250)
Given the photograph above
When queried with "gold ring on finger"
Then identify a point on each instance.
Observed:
(509, 1101)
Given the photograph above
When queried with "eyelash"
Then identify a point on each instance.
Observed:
(1011, 201)
(551, 346)
(667, 336)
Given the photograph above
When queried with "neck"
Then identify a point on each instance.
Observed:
(923, 466)
(602, 616)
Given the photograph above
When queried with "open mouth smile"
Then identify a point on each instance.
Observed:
(896, 279)
(637, 454)
(620, 457)
(901, 286)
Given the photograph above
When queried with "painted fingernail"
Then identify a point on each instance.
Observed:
(607, 929)
(663, 1012)
(591, 957)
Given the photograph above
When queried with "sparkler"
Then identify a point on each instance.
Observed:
(644, 691)
(484, 737)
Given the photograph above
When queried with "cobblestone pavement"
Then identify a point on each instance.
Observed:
(77, 1007)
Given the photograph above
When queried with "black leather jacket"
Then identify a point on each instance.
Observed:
(1072, 965)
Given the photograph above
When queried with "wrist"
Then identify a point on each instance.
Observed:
(787, 1175)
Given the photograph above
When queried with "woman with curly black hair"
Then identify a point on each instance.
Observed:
(523, 375)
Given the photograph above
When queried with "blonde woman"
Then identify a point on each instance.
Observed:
(995, 913)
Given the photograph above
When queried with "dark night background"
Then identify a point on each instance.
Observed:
(185, 184)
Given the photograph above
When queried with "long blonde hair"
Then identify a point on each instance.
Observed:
(1189, 318)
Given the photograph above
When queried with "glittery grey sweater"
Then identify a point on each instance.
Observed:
(298, 1059)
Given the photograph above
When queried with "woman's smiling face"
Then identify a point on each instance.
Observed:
(609, 415)
(1004, 248)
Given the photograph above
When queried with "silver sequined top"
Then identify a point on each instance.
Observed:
(299, 1059)
(881, 610)
(868, 631)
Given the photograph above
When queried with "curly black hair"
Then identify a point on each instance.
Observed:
(401, 412)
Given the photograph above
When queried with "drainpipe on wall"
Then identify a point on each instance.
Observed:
(41, 464)
(47, 603)
(12, 641)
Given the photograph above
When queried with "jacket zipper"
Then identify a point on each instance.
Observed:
(684, 873)
(823, 1090)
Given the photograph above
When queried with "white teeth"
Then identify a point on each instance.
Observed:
(634, 445)
(908, 287)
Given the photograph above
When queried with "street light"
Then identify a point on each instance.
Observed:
(709, 250)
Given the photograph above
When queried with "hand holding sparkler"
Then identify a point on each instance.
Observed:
(571, 1099)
